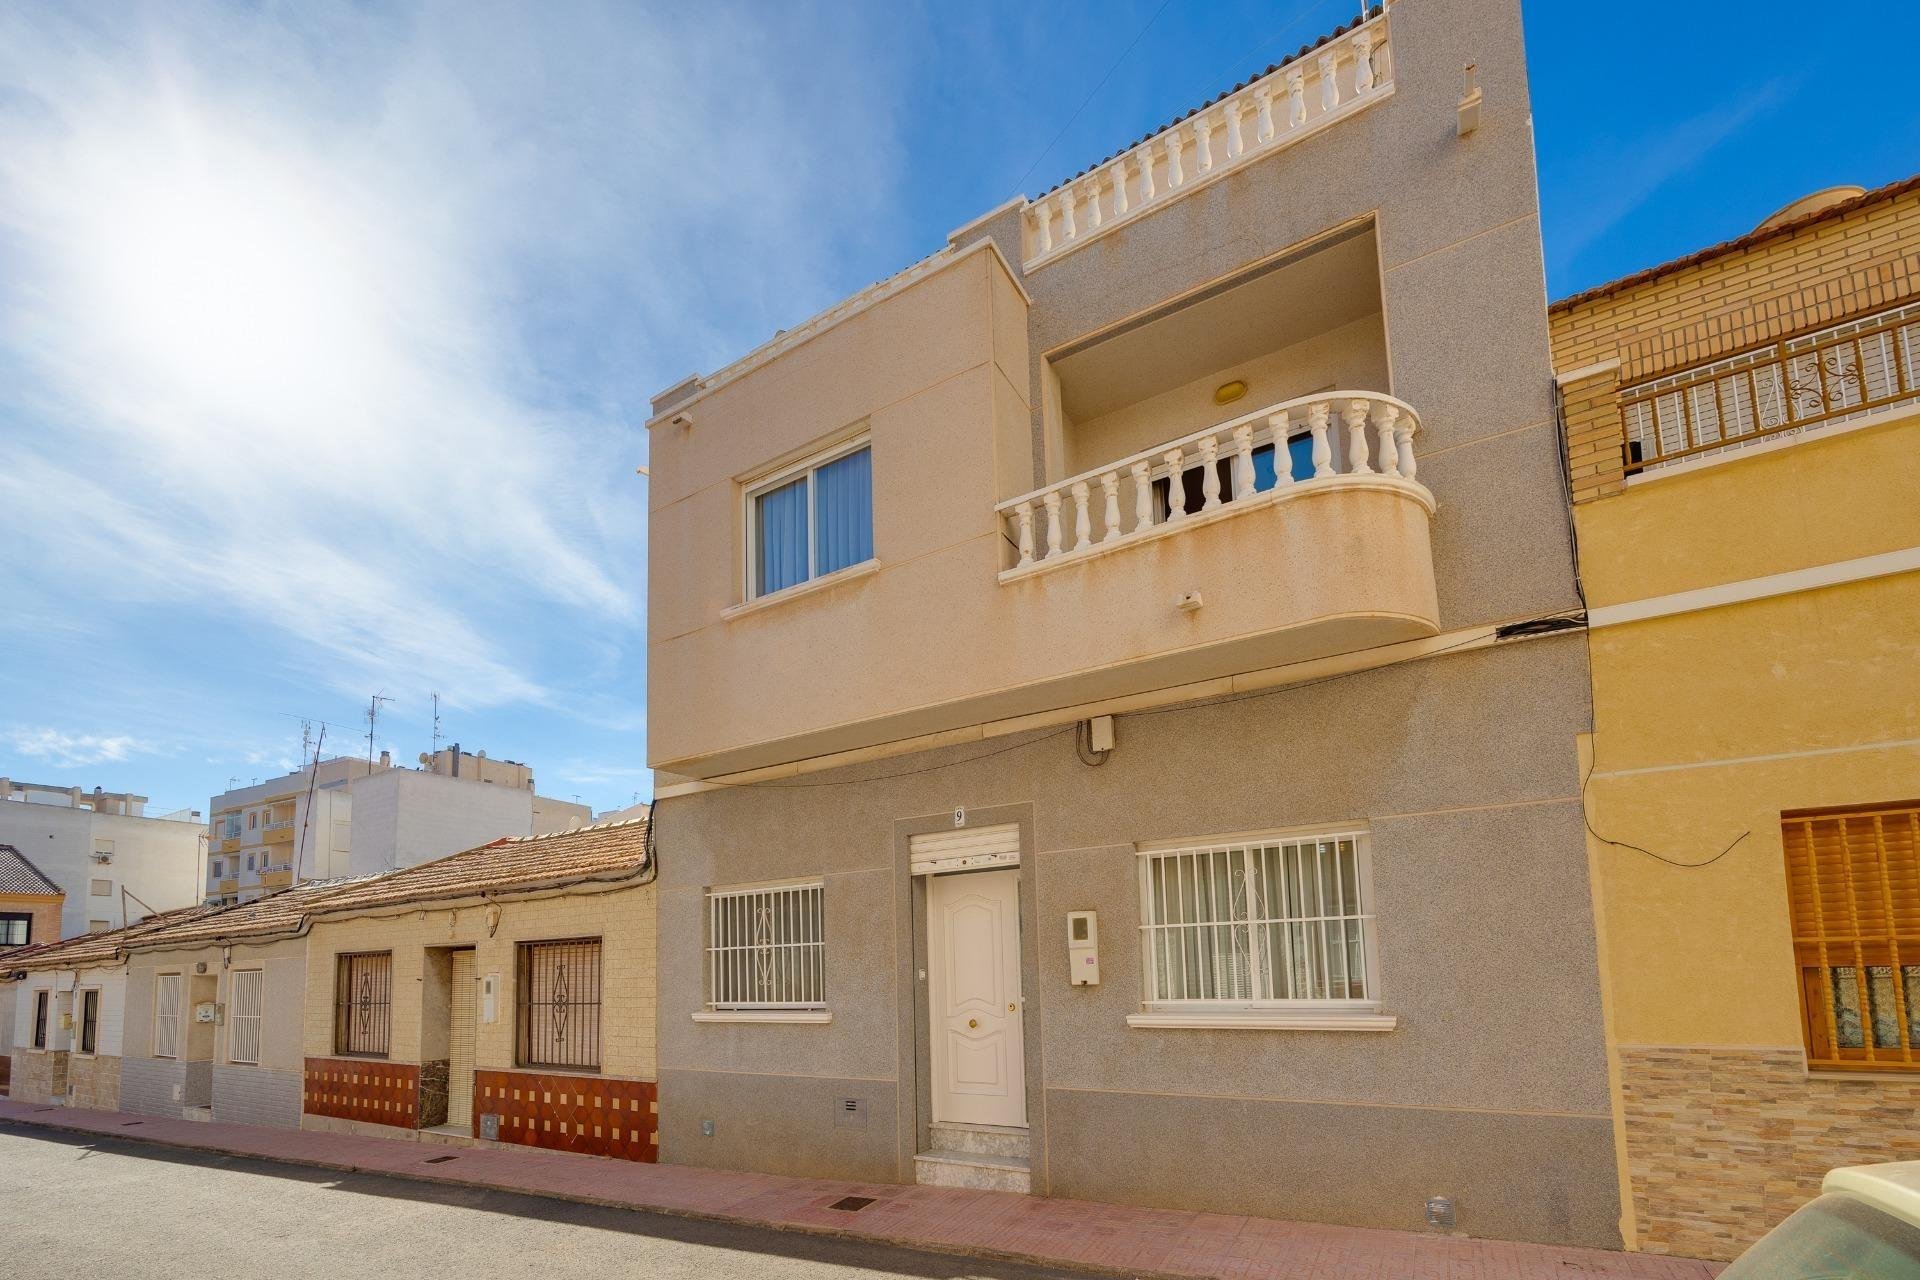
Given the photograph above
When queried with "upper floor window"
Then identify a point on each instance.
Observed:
(1282, 922)
(1853, 888)
(811, 520)
(16, 928)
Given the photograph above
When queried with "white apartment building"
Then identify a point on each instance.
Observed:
(351, 817)
(116, 863)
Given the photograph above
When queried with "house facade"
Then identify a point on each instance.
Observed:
(115, 862)
(1742, 427)
(504, 994)
(30, 905)
(214, 1012)
(1110, 696)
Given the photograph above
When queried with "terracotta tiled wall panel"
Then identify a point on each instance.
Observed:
(361, 1089)
(1723, 1143)
(589, 1114)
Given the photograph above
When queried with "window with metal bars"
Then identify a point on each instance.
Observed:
(362, 1004)
(166, 1015)
(1259, 923)
(766, 948)
(40, 1002)
(1853, 887)
(558, 992)
(243, 1018)
(90, 1020)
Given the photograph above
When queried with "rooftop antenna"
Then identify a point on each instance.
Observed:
(306, 741)
(373, 718)
(436, 724)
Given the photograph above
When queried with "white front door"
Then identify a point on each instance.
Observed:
(973, 998)
(460, 1020)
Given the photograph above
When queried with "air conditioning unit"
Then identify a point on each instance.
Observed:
(103, 858)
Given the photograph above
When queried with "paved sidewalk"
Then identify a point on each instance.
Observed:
(1075, 1233)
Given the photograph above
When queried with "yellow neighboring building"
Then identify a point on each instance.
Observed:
(1743, 435)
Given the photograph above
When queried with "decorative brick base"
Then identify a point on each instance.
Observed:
(371, 1092)
(39, 1075)
(433, 1093)
(95, 1082)
(589, 1114)
(1723, 1143)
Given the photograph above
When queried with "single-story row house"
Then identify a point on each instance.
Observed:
(500, 994)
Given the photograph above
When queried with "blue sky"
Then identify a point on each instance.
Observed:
(326, 332)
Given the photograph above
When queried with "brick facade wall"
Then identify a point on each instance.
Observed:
(1817, 275)
(1723, 1143)
(593, 1115)
(1590, 407)
(95, 1081)
(39, 1075)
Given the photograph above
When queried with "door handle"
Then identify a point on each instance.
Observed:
(1011, 1007)
(973, 1022)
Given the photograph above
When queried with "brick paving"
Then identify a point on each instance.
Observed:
(1073, 1233)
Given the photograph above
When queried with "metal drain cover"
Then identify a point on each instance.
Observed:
(852, 1204)
(438, 1159)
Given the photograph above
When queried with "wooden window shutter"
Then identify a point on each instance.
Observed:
(1853, 888)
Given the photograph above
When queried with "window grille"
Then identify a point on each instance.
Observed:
(1853, 887)
(1262, 922)
(362, 998)
(558, 986)
(766, 948)
(166, 1015)
(243, 1018)
(39, 1019)
(89, 1021)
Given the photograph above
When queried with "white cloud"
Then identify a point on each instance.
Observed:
(71, 750)
(339, 323)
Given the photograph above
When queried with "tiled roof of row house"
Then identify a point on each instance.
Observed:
(1758, 235)
(277, 913)
(98, 948)
(1305, 49)
(608, 851)
(18, 875)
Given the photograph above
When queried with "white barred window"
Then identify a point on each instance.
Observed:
(166, 1015)
(766, 948)
(244, 1017)
(1281, 922)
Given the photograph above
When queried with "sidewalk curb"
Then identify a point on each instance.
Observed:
(696, 1215)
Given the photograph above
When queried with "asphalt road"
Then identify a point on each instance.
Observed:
(104, 1208)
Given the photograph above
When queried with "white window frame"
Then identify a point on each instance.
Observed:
(778, 479)
(1272, 1013)
(179, 1010)
(235, 1017)
(797, 1008)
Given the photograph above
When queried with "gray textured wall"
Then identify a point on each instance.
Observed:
(255, 1095)
(147, 1085)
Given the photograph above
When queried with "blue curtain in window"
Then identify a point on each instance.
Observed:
(1300, 449)
(780, 520)
(843, 512)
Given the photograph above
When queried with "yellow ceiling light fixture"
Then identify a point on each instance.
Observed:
(1228, 392)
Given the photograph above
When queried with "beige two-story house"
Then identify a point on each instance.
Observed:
(1113, 686)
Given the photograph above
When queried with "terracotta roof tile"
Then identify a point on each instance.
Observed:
(18, 875)
(605, 851)
(1751, 238)
(277, 913)
(97, 948)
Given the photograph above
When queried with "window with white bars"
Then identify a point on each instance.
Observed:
(243, 1016)
(766, 948)
(166, 1015)
(1257, 923)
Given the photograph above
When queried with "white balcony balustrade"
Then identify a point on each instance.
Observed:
(1347, 73)
(1335, 439)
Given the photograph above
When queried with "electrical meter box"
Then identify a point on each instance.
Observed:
(1083, 948)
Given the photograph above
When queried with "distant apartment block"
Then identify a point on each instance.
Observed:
(348, 816)
(115, 862)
